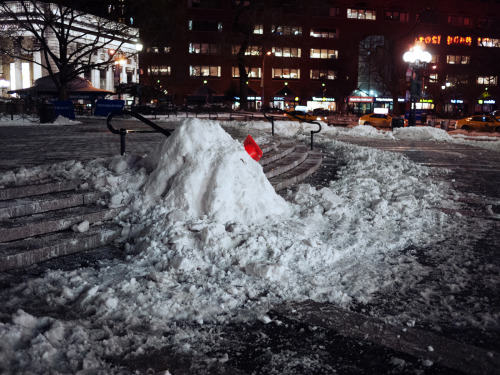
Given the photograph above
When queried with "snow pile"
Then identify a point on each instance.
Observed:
(422, 133)
(210, 242)
(417, 133)
(194, 174)
(61, 120)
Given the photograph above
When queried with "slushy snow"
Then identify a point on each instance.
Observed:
(208, 242)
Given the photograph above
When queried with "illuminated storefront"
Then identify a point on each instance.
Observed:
(360, 104)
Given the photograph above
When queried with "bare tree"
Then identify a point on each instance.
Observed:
(246, 15)
(68, 41)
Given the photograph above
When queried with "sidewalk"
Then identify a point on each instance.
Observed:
(43, 144)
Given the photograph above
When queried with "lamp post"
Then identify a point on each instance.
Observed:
(417, 59)
(268, 53)
(444, 88)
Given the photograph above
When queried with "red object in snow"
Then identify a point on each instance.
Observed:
(252, 148)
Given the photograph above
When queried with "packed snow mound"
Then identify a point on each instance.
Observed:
(422, 134)
(201, 171)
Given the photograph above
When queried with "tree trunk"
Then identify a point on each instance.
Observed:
(63, 91)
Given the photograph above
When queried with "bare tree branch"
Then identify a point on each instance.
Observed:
(68, 39)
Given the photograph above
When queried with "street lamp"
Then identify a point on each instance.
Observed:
(417, 59)
(444, 88)
(268, 53)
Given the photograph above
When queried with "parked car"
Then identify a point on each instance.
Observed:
(479, 123)
(295, 115)
(380, 120)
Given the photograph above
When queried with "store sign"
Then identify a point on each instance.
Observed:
(426, 101)
(429, 39)
(461, 40)
(450, 40)
(456, 101)
(486, 101)
(322, 99)
(104, 107)
(279, 98)
(361, 99)
(383, 100)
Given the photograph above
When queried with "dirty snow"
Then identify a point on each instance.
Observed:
(208, 241)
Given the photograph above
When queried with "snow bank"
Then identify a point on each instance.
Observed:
(201, 171)
(210, 242)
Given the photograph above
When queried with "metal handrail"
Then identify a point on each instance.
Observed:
(123, 132)
(269, 118)
(309, 122)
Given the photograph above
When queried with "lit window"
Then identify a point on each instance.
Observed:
(361, 14)
(487, 80)
(204, 71)
(286, 30)
(251, 72)
(250, 51)
(488, 42)
(317, 53)
(258, 29)
(286, 52)
(323, 74)
(286, 73)
(457, 59)
(159, 70)
(204, 48)
(324, 33)
(433, 78)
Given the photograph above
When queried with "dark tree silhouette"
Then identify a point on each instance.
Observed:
(70, 41)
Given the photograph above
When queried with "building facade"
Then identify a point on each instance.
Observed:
(324, 54)
(112, 49)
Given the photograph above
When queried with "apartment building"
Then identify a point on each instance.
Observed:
(337, 55)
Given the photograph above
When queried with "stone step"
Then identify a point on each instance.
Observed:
(38, 189)
(299, 173)
(26, 252)
(269, 147)
(289, 162)
(53, 221)
(283, 148)
(46, 202)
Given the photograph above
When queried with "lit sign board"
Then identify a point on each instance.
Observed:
(361, 99)
(279, 98)
(456, 101)
(462, 40)
(486, 101)
(426, 101)
(323, 99)
(450, 40)
(430, 39)
(387, 100)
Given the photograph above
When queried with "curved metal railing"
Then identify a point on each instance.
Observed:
(309, 122)
(123, 132)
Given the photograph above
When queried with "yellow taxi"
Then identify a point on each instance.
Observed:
(379, 120)
(296, 115)
(479, 123)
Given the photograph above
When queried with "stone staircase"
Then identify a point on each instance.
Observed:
(286, 163)
(40, 222)
(36, 222)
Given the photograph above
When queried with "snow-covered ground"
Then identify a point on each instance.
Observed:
(209, 242)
